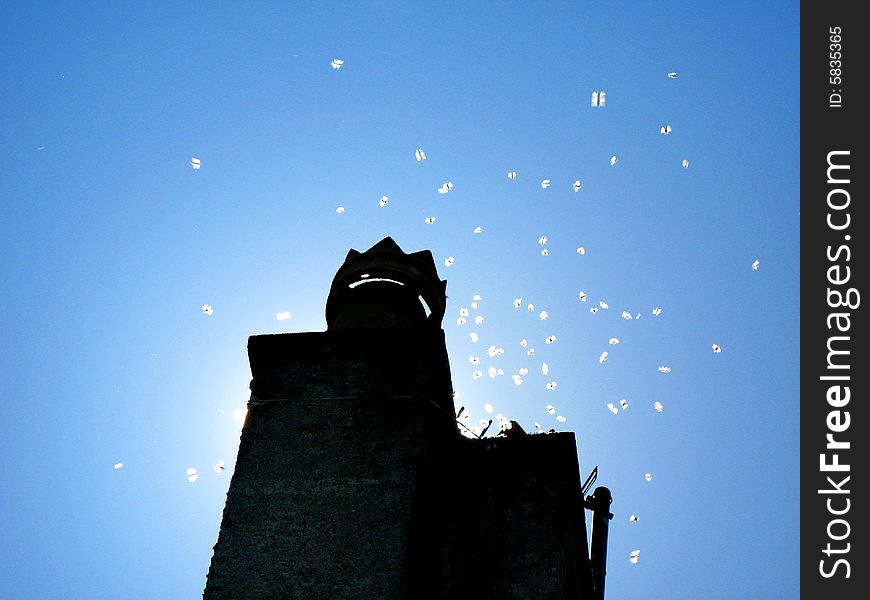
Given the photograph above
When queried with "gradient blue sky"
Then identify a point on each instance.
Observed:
(110, 243)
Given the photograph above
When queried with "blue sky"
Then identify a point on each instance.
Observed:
(111, 242)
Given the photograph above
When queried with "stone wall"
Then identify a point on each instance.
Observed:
(353, 482)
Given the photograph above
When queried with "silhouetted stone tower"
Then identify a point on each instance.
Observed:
(353, 482)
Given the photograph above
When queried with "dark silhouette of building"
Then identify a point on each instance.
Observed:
(353, 481)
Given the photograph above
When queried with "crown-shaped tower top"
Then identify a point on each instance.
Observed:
(385, 288)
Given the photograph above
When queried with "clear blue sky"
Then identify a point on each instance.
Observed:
(110, 243)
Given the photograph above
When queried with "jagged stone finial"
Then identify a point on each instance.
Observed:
(383, 288)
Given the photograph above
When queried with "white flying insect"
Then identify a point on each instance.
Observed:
(594, 310)
(672, 75)
(517, 379)
(523, 371)
(195, 163)
(545, 183)
(623, 403)
(283, 316)
(576, 186)
(429, 220)
(545, 369)
(603, 305)
(545, 252)
(581, 250)
(192, 475)
(207, 309)
(419, 155)
(336, 63)
(755, 265)
(463, 312)
(492, 351)
(544, 315)
(656, 311)
(478, 229)
(603, 358)
(477, 374)
(551, 339)
(474, 337)
(445, 187)
(635, 554)
(627, 315)
(492, 372)
(583, 296)
(512, 175)
(685, 163)
(461, 321)
(647, 476)
(218, 467)
(531, 307)
(613, 160)
(665, 130)
(543, 240)
(632, 518)
(117, 466)
(613, 341)
(475, 360)
(664, 369)
(561, 419)
(612, 408)
(658, 406)
(551, 409)
(478, 319)
(717, 348)
(598, 99)
(449, 261)
(518, 302)
(551, 386)
(340, 210)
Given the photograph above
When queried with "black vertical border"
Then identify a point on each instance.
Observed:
(833, 124)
